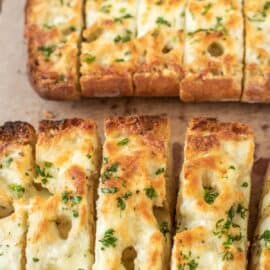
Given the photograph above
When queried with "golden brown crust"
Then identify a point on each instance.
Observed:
(155, 84)
(255, 92)
(46, 83)
(18, 132)
(202, 89)
(107, 85)
(65, 124)
(138, 124)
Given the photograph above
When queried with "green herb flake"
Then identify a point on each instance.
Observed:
(164, 228)
(109, 239)
(210, 195)
(266, 238)
(123, 142)
(161, 20)
(241, 210)
(89, 58)
(123, 17)
(46, 51)
(109, 190)
(75, 213)
(231, 167)
(35, 259)
(159, 171)
(89, 156)
(150, 192)
(244, 184)
(121, 200)
(206, 8)
(106, 8)
(17, 189)
(109, 171)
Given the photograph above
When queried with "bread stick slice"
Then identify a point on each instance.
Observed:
(213, 54)
(61, 226)
(257, 57)
(212, 208)
(16, 174)
(52, 30)
(133, 215)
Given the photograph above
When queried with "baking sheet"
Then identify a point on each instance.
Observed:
(18, 101)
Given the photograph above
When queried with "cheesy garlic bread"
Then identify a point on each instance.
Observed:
(53, 30)
(16, 174)
(212, 209)
(257, 57)
(133, 215)
(61, 225)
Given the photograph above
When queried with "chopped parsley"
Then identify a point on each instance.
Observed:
(229, 230)
(124, 38)
(210, 195)
(108, 172)
(150, 192)
(241, 210)
(89, 156)
(119, 60)
(159, 171)
(189, 264)
(121, 200)
(231, 167)
(245, 184)
(35, 259)
(206, 8)
(123, 17)
(164, 228)
(109, 240)
(161, 20)
(123, 142)
(266, 238)
(109, 190)
(106, 8)
(75, 213)
(89, 58)
(46, 50)
(44, 172)
(66, 197)
(17, 189)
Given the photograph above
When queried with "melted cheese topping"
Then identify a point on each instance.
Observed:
(133, 181)
(16, 174)
(53, 31)
(214, 39)
(110, 26)
(67, 166)
(160, 27)
(257, 47)
(214, 196)
(260, 252)
(12, 239)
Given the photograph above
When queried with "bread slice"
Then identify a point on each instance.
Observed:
(61, 226)
(108, 54)
(16, 173)
(212, 208)
(53, 35)
(213, 54)
(160, 47)
(133, 220)
(260, 256)
(257, 70)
